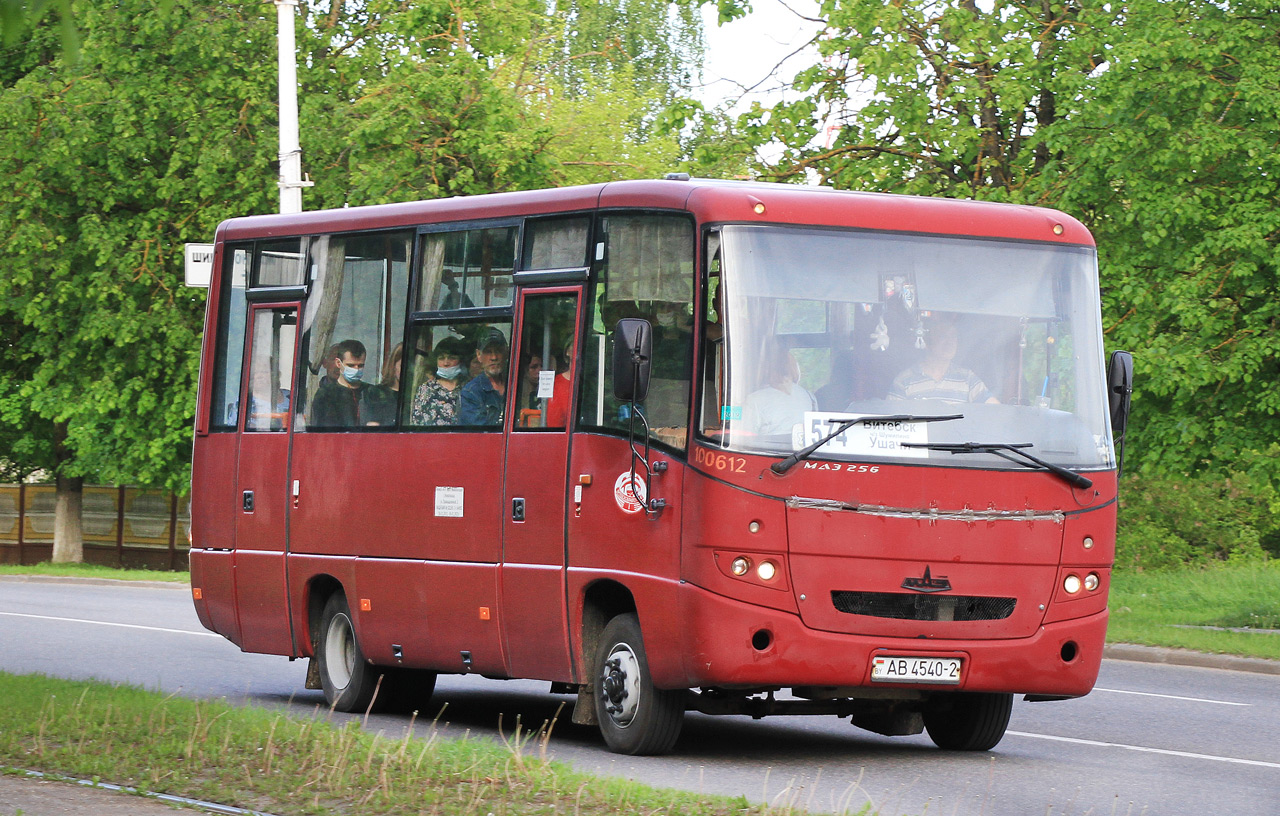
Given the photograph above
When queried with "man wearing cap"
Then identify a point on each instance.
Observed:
(484, 397)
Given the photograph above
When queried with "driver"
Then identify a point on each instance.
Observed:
(937, 376)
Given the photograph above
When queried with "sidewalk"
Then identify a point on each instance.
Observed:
(31, 796)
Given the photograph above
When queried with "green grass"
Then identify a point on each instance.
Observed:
(95, 571)
(263, 760)
(1152, 608)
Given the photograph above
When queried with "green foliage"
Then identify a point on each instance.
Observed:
(1175, 521)
(163, 124)
(113, 162)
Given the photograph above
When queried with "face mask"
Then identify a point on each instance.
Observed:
(352, 374)
(450, 373)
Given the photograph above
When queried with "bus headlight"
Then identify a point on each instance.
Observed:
(1072, 584)
(1091, 581)
(739, 566)
(767, 570)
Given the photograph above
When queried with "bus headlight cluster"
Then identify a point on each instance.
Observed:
(766, 570)
(1073, 584)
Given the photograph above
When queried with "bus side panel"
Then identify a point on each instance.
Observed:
(305, 573)
(215, 504)
(374, 494)
(213, 585)
(214, 510)
(462, 612)
(641, 553)
(432, 611)
(262, 600)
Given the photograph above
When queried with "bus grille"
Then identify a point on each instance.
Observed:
(914, 606)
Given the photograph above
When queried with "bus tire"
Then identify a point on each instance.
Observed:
(346, 677)
(968, 721)
(635, 718)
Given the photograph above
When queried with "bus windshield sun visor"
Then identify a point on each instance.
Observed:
(799, 456)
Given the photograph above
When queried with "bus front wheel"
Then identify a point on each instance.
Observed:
(968, 721)
(346, 677)
(635, 718)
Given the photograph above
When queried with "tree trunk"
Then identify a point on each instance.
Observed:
(68, 529)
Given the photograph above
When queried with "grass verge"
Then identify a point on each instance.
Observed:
(95, 571)
(268, 761)
(1156, 608)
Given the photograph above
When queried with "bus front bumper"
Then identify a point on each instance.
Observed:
(730, 644)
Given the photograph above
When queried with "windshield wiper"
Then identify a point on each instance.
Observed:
(800, 455)
(1003, 450)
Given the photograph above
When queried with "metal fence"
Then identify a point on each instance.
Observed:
(123, 526)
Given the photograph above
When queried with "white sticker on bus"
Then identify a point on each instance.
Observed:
(630, 495)
(449, 502)
(870, 438)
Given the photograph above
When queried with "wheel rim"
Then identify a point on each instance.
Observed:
(339, 652)
(620, 682)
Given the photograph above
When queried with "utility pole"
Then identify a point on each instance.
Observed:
(291, 182)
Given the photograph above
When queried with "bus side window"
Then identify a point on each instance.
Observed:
(353, 330)
(465, 269)
(646, 272)
(224, 406)
(546, 361)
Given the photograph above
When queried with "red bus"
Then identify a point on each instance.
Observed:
(671, 445)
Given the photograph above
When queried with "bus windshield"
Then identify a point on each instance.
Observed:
(820, 326)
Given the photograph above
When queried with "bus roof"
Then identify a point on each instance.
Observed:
(711, 201)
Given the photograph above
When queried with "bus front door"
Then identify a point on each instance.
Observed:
(262, 481)
(536, 493)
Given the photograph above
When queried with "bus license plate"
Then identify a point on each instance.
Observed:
(941, 670)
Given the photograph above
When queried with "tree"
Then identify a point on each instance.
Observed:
(163, 124)
(1154, 121)
(114, 160)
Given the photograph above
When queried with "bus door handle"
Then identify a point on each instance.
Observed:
(246, 501)
(517, 510)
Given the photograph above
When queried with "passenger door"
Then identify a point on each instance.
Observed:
(262, 479)
(537, 492)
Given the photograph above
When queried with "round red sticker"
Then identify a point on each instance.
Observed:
(629, 494)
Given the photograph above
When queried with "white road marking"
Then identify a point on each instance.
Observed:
(1172, 697)
(109, 623)
(1144, 749)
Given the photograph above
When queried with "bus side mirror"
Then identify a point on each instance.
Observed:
(1119, 389)
(632, 352)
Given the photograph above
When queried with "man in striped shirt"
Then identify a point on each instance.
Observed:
(936, 377)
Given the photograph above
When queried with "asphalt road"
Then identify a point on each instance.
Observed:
(1151, 739)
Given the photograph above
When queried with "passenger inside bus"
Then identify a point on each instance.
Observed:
(347, 401)
(558, 405)
(483, 398)
(780, 404)
(382, 405)
(437, 401)
(936, 376)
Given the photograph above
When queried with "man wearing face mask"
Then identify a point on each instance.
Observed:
(340, 402)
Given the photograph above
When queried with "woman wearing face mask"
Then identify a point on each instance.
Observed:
(437, 400)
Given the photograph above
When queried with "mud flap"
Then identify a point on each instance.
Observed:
(313, 674)
(584, 711)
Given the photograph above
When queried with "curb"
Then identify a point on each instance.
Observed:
(1184, 657)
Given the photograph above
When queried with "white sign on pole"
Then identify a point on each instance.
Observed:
(198, 264)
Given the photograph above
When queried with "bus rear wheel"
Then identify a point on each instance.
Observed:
(346, 677)
(635, 718)
(968, 721)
